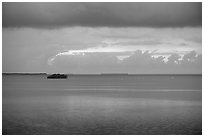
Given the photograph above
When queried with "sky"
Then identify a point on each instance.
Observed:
(92, 38)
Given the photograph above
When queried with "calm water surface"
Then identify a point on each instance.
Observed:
(132, 104)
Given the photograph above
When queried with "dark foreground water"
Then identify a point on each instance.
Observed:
(163, 104)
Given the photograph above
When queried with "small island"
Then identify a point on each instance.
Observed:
(57, 76)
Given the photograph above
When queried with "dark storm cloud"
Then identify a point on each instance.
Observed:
(101, 14)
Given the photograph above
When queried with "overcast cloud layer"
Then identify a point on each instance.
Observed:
(124, 37)
(98, 50)
(45, 15)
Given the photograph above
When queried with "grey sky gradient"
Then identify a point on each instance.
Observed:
(139, 38)
(97, 50)
(49, 15)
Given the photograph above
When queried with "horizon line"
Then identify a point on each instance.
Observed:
(34, 73)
